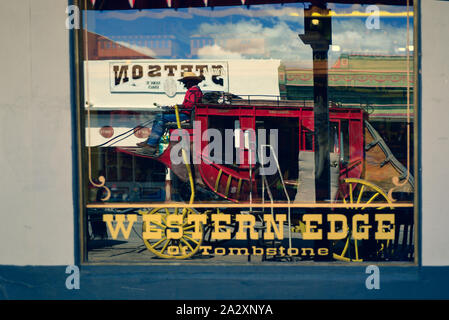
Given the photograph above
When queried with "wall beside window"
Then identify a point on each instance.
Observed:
(37, 213)
(435, 132)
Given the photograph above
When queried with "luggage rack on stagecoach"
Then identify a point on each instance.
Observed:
(227, 98)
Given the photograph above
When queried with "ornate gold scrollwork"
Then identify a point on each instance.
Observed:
(101, 179)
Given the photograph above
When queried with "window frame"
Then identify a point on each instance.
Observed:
(80, 178)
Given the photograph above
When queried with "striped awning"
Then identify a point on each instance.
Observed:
(161, 4)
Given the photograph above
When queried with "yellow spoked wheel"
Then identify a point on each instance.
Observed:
(357, 194)
(183, 245)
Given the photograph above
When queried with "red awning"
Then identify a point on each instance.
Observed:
(160, 4)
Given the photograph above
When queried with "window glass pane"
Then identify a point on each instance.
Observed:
(267, 125)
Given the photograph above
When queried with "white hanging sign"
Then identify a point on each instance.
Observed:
(161, 76)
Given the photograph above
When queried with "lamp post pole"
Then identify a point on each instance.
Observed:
(318, 34)
(321, 126)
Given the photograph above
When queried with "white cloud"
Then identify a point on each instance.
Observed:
(280, 41)
(344, 8)
(353, 37)
(215, 51)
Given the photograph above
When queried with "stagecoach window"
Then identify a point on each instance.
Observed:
(344, 140)
(333, 136)
(229, 127)
(308, 139)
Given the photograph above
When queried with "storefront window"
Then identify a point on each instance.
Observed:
(291, 139)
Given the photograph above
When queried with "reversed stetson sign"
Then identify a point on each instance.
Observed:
(160, 76)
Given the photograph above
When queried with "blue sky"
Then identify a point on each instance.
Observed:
(273, 30)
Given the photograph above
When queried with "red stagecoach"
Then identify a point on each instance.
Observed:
(363, 169)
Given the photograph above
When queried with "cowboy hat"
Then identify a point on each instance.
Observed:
(191, 76)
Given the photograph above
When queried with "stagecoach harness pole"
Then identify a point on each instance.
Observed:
(187, 163)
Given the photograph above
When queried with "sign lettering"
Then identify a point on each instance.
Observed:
(157, 76)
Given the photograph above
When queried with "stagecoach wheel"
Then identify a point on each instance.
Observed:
(355, 193)
(182, 248)
(209, 228)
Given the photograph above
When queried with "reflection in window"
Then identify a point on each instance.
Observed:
(254, 55)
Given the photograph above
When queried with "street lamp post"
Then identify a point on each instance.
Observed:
(318, 34)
